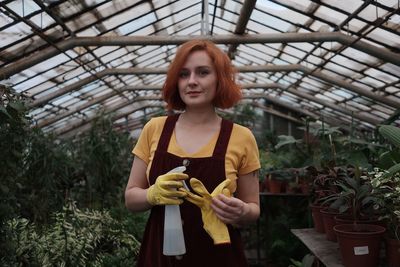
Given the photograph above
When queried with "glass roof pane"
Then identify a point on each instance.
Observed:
(372, 12)
(23, 7)
(330, 15)
(348, 6)
(182, 17)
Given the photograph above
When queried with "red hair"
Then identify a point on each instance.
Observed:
(228, 93)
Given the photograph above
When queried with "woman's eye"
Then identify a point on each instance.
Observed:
(183, 74)
(204, 72)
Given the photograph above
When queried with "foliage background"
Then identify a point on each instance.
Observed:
(61, 201)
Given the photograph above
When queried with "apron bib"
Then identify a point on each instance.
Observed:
(200, 249)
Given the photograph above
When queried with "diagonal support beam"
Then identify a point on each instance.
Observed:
(244, 17)
(20, 65)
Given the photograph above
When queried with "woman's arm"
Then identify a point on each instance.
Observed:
(244, 208)
(136, 189)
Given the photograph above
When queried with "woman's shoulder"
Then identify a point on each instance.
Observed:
(154, 125)
(241, 130)
(156, 122)
(242, 135)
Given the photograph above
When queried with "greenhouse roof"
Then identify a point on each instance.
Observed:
(339, 60)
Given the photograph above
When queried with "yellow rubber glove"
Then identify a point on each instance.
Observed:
(165, 190)
(215, 228)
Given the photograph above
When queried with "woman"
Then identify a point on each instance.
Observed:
(199, 80)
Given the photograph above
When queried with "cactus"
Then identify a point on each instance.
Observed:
(392, 133)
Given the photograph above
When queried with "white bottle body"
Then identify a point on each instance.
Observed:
(174, 241)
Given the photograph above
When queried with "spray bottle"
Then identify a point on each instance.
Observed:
(174, 242)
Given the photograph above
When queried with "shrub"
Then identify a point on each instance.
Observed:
(76, 238)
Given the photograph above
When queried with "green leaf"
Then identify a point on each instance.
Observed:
(392, 170)
(392, 133)
(5, 112)
(284, 140)
(308, 260)
(352, 182)
(387, 159)
(18, 106)
(4, 189)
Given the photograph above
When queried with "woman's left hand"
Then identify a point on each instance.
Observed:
(230, 210)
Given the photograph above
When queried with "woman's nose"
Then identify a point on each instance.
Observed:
(192, 78)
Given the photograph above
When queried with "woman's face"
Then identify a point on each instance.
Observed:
(197, 80)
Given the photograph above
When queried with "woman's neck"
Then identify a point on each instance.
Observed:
(197, 117)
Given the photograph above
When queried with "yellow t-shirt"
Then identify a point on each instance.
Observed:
(241, 156)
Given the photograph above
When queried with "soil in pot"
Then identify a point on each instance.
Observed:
(359, 244)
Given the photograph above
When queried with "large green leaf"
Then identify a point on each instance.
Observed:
(388, 158)
(284, 140)
(393, 170)
(391, 133)
(3, 110)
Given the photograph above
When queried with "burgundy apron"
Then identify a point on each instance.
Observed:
(200, 249)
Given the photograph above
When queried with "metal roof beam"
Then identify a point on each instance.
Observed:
(244, 17)
(262, 68)
(117, 115)
(327, 78)
(104, 97)
(95, 101)
(115, 71)
(22, 64)
(292, 91)
(329, 120)
(324, 103)
(86, 126)
(277, 113)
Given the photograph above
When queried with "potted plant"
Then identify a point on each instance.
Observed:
(355, 199)
(302, 179)
(359, 242)
(324, 186)
(278, 178)
(386, 185)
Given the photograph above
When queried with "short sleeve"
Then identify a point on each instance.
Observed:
(250, 160)
(142, 147)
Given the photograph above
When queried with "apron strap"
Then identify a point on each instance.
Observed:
(167, 132)
(223, 139)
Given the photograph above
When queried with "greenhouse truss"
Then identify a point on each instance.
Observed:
(331, 60)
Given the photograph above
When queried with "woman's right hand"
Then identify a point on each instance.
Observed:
(165, 190)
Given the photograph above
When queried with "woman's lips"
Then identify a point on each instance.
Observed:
(193, 93)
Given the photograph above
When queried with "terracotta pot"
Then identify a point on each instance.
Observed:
(305, 187)
(275, 186)
(261, 186)
(264, 187)
(392, 252)
(328, 217)
(359, 244)
(317, 217)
